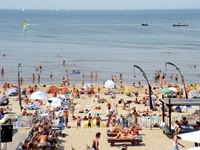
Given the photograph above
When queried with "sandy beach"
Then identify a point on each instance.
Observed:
(79, 139)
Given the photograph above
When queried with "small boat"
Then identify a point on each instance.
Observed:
(180, 24)
(24, 27)
(145, 24)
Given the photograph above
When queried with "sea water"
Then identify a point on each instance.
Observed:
(109, 42)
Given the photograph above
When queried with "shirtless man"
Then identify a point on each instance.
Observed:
(89, 121)
(43, 139)
(65, 116)
(95, 141)
(98, 118)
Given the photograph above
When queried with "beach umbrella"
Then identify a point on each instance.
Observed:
(109, 84)
(55, 101)
(165, 90)
(12, 90)
(172, 89)
(191, 136)
(86, 86)
(39, 95)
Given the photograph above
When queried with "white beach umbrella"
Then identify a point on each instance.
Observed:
(86, 86)
(12, 90)
(172, 89)
(109, 84)
(39, 95)
(55, 102)
(191, 136)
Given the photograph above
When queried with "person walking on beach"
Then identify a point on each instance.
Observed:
(72, 108)
(95, 141)
(98, 118)
(175, 141)
(79, 122)
(65, 116)
(89, 121)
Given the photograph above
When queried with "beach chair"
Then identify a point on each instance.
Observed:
(111, 133)
(32, 106)
(134, 141)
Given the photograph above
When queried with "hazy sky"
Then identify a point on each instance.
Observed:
(99, 4)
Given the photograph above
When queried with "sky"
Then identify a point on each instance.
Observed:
(99, 4)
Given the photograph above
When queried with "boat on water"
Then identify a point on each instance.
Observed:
(180, 24)
(145, 24)
(24, 27)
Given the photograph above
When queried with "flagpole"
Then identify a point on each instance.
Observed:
(149, 86)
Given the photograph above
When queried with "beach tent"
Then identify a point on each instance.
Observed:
(55, 102)
(64, 90)
(53, 89)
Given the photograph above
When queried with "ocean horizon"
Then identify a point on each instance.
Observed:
(107, 41)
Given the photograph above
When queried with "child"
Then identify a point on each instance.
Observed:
(79, 122)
